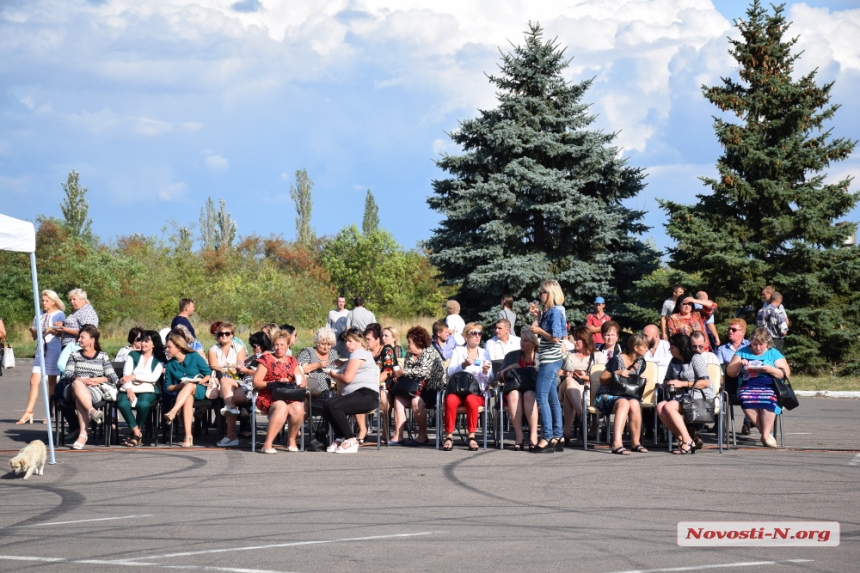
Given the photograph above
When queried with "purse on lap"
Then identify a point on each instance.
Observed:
(463, 383)
(522, 379)
(627, 387)
(407, 386)
(286, 391)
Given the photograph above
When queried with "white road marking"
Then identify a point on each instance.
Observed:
(798, 433)
(134, 564)
(292, 544)
(79, 521)
(719, 566)
(855, 461)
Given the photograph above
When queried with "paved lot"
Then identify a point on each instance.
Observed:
(406, 509)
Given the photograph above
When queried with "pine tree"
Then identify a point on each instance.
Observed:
(371, 215)
(301, 195)
(769, 217)
(76, 209)
(537, 195)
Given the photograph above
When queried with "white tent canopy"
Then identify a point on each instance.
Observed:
(20, 236)
(17, 235)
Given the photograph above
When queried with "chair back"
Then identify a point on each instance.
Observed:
(649, 396)
(715, 373)
(594, 379)
(118, 367)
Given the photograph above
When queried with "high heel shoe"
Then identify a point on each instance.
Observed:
(547, 449)
(691, 448)
(168, 418)
(558, 444)
(27, 418)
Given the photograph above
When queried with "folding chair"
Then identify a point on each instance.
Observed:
(461, 411)
(649, 395)
(301, 432)
(715, 373)
(588, 404)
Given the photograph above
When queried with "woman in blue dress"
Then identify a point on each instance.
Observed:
(757, 365)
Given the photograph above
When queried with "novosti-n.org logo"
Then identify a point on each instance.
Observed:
(758, 533)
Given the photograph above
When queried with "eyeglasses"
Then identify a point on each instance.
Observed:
(475, 333)
(544, 292)
(686, 304)
(220, 334)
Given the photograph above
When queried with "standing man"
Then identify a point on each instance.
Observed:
(594, 321)
(503, 342)
(359, 317)
(772, 316)
(669, 308)
(336, 321)
(713, 335)
(186, 309)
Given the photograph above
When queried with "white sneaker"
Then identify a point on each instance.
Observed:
(349, 449)
(334, 447)
(226, 442)
(234, 411)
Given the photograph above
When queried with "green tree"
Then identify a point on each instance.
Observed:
(217, 228)
(370, 222)
(301, 195)
(208, 224)
(770, 218)
(537, 195)
(76, 209)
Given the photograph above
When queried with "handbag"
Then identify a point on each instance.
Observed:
(213, 389)
(627, 387)
(522, 379)
(108, 391)
(697, 410)
(286, 391)
(407, 386)
(463, 383)
(8, 357)
(785, 396)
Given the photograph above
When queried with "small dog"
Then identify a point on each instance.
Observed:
(31, 459)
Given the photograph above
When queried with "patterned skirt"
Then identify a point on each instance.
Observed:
(757, 394)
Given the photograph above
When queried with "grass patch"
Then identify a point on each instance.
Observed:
(842, 383)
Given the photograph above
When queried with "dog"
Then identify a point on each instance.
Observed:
(31, 459)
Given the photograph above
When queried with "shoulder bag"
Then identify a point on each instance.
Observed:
(286, 391)
(522, 379)
(697, 410)
(463, 383)
(626, 387)
(407, 386)
(785, 396)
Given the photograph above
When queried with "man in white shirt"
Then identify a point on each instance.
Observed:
(337, 322)
(503, 342)
(659, 354)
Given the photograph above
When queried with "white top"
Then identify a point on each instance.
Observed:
(337, 321)
(367, 375)
(499, 349)
(668, 307)
(143, 372)
(661, 357)
(476, 370)
(456, 325)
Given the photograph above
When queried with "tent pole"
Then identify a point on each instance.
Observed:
(40, 350)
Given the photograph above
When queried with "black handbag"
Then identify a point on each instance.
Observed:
(463, 383)
(785, 396)
(522, 379)
(626, 387)
(406, 386)
(287, 391)
(697, 410)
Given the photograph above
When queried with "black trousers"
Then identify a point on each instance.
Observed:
(336, 410)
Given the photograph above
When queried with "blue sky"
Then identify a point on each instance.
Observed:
(161, 104)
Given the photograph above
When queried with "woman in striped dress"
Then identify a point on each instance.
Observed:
(551, 327)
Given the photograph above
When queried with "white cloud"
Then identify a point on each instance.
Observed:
(215, 162)
(173, 192)
(16, 185)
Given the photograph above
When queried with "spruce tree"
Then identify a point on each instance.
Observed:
(370, 222)
(769, 217)
(537, 195)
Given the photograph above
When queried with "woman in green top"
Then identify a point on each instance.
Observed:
(184, 364)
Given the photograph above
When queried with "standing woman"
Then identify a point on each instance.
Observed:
(279, 367)
(86, 371)
(141, 372)
(507, 312)
(84, 314)
(52, 312)
(550, 326)
(184, 363)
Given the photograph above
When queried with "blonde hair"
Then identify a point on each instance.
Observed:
(471, 325)
(527, 334)
(279, 334)
(53, 297)
(554, 295)
(394, 334)
(762, 336)
(271, 329)
(179, 342)
(355, 335)
(325, 334)
(78, 293)
(453, 307)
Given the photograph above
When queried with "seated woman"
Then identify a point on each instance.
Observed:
(315, 361)
(87, 371)
(686, 318)
(133, 344)
(520, 401)
(573, 382)
(421, 363)
(756, 365)
(186, 378)
(610, 330)
(627, 364)
(279, 367)
(390, 337)
(385, 357)
(358, 379)
(686, 371)
(228, 358)
(142, 370)
(475, 360)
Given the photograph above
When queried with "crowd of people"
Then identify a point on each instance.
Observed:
(357, 365)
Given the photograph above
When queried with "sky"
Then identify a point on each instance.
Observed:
(164, 103)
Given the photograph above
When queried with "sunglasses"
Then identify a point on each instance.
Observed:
(544, 292)
(220, 334)
(698, 346)
(734, 330)
(475, 333)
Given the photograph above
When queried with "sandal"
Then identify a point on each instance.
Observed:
(621, 451)
(448, 445)
(168, 418)
(133, 441)
(80, 442)
(188, 442)
(691, 449)
(473, 445)
(639, 449)
(519, 447)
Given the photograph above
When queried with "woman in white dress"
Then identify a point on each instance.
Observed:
(52, 311)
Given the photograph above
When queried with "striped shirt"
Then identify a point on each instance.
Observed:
(552, 321)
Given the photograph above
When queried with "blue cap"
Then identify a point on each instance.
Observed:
(599, 300)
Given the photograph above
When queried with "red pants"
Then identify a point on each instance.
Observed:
(471, 402)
